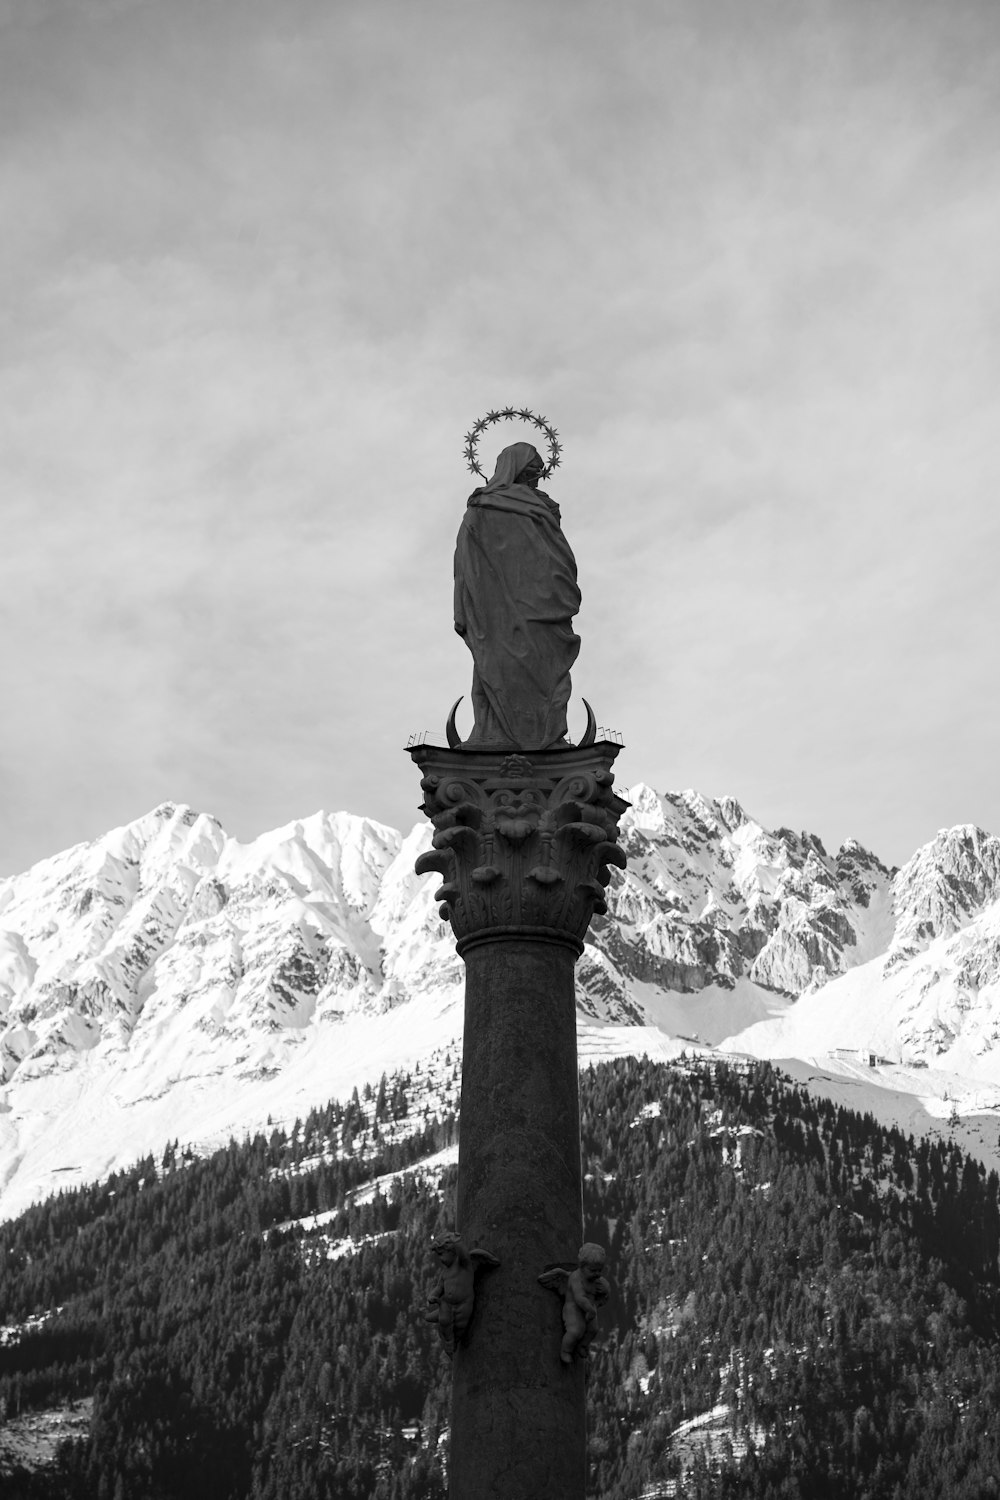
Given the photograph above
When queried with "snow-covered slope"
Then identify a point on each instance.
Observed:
(166, 981)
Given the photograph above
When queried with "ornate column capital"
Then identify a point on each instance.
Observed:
(524, 843)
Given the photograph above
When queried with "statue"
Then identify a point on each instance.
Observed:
(451, 1301)
(583, 1291)
(515, 598)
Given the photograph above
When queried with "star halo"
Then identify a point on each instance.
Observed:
(510, 414)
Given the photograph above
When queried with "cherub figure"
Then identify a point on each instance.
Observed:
(583, 1291)
(451, 1301)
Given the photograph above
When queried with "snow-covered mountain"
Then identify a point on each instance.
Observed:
(168, 982)
(931, 998)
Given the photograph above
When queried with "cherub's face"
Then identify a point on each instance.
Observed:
(447, 1255)
(592, 1273)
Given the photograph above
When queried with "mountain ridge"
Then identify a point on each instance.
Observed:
(168, 971)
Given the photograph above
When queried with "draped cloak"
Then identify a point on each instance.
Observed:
(515, 598)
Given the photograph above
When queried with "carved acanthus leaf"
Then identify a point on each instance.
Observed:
(524, 845)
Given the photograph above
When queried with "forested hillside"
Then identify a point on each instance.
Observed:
(804, 1304)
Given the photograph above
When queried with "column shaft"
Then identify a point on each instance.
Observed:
(518, 1419)
(524, 848)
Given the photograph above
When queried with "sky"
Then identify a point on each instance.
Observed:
(264, 262)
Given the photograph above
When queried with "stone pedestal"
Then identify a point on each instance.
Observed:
(524, 845)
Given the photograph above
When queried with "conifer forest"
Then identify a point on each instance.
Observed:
(805, 1305)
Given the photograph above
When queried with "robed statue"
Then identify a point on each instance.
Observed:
(515, 599)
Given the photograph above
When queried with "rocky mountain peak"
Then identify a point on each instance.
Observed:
(947, 883)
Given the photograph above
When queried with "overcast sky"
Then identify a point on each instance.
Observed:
(265, 261)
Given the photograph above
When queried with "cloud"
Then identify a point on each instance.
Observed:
(269, 262)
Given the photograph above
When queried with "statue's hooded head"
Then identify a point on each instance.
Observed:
(511, 462)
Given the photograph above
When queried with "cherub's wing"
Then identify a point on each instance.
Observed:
(555, 1279)
(483, 1258)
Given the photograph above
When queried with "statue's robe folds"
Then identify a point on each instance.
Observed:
(515, 598)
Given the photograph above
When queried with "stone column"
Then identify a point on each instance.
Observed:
(524, 845)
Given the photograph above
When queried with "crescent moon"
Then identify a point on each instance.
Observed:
(454, 739)
(590, 733)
